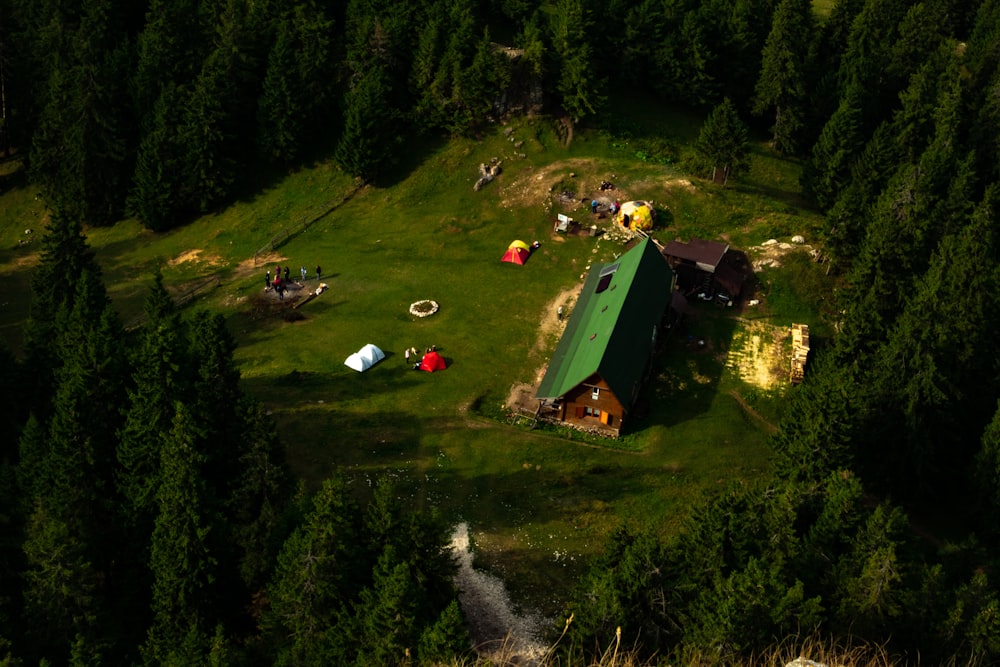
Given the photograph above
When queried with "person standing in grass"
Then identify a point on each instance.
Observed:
(302, 271)
(267, 280)
(406, 356)
(319, 272)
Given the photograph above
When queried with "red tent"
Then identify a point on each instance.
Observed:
(516, 255)
(433, 362)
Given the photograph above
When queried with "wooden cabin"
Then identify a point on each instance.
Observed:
(595, 374)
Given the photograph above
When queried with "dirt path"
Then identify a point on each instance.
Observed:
(755, 417)
(550, 328)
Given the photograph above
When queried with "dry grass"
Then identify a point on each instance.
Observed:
(808, 651)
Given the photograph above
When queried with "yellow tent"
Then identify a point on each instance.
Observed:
(636, 215)
(518, 244)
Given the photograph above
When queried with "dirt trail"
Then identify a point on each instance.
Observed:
(550, 327)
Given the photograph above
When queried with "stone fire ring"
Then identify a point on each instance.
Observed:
(424, 308)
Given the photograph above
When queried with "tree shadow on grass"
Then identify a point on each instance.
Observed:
(409, 156)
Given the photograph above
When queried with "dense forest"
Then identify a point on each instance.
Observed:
(147, 515)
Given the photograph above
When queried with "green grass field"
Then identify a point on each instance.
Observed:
(538, 503)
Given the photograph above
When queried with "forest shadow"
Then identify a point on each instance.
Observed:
(410, 155)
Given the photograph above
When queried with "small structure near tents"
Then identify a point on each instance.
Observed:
(593, 378)
(432, 361)
(518, 252)
(636, 215)
(364, 358)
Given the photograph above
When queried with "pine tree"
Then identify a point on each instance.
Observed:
(871, 579)
(65, 257)
(447, 638)
(847, 220)
(157, 196)
(744, 611)
(59, 585)
(318, 573)
(815, 437)
(369, 134)
(723, 142)
(260, 496)
(160, 379)
(782, 84)
(972, 626)
(631, 586)
(181, 560)
(833, 154)
(987, 470)
(296, 91)
(79, 152)
(388, 613)
(580, 86)
(867, 59)
(171, 49)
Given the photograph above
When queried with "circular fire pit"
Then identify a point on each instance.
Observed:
(424, 308)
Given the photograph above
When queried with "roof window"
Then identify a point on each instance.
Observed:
(607, 273)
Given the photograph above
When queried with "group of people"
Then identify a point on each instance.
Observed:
(280, 281)
(411, 353)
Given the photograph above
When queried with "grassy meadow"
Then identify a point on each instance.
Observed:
(538, 502)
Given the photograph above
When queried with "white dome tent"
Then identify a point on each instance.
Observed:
(364, 358)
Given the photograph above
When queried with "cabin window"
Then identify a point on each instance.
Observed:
(595, 393)
(592, 412)
(607, 273)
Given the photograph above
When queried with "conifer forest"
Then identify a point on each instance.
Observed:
(147, 513)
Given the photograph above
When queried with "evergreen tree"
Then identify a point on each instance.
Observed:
(157, 197)
(847, 220)
(213, 130)
(816, 435)
(987, 470)
(59, 586)
(160, 380)
(260, 496)
(388, 614)
(833, 154)
(369, 134)
(972, 626)
(629, 586)
(749, 609)
(580, 86)
(171, 49)
(317, 575)
(79, 152)
(868, 56)
(871, 582)
(447, 638)
(782, 84)
(723, 142)
(296, 88)
(65, 257)
(181, 560)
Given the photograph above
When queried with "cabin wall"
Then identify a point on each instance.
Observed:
(580, 408)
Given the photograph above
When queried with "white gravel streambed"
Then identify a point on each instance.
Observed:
(497, 630)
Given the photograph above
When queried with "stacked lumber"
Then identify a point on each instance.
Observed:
(800, 351)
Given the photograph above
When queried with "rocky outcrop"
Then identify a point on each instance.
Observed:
(487, 172)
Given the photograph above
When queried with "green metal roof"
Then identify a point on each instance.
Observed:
(611, 331)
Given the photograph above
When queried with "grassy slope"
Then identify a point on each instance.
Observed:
(537, 504)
